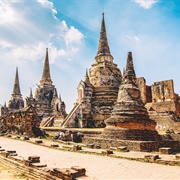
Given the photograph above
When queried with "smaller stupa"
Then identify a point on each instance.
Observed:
(129, 119)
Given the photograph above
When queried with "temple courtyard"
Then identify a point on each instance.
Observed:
(97, 166)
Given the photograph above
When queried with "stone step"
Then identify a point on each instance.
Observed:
(151, 158)
(34, 159)
(54, 145)
(177, 156)
(107, 152)
(165, 150)
(38, 141)
(38, 165)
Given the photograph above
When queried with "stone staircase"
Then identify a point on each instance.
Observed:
(69, 120)
(48, 121)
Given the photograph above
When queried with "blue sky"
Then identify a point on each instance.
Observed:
(70, 29)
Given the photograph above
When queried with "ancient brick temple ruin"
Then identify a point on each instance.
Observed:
(98, 92)
(129, 124)
(24, 121)
(24, 116)
(16, 101)
(162, 103)
(16, 118)
(46, 101)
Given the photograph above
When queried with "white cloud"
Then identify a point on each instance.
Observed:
(146, 4)
(7, 13)
(48, 4)
(73, 36)
(25, 34)
(132, 38)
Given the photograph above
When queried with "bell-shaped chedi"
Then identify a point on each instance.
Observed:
(104, 72)
(46, 100)
(105, 76)
(129, 119)
(16, 101)
(46, 76)
(103, 47)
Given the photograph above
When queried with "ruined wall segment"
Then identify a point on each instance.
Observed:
(161, 102)
(24, 121)
(141, 82)
(163, 91)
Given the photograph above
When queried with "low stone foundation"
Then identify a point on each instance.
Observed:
(146, 146)
(131, 134)
(33, 169)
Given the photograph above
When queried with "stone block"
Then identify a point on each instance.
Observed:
(26, 162)
(177, 156)
(38, 141)
(4, 154)
(25, 138)
(107, 152)
(38, 165)
(54, 145)
(76, 148)
(151, 158)
(81, 171)
(13, 154)
(67, 147)
(34, 159)
(165, 150)
(11, 151)
(1, 150)
(65, 173)
(98, 147)
(122, 149)
(90, 146)
(113, 148)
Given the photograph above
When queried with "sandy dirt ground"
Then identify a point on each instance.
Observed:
(10, 174)
(97, 167)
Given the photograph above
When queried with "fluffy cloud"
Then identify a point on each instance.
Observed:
(132, 38)
(146, 4)
(28, 27)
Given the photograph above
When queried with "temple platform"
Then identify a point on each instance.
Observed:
(144, 146)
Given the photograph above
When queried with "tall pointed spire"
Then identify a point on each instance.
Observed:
(60, 97)
(129, 72)
(103, 48)
(46, 77)
(16, 89)
(55, 95)
(86, 78)
(31, 95)
(5, 105)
